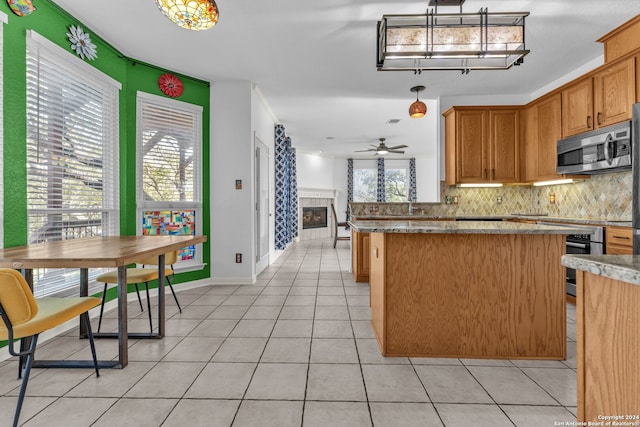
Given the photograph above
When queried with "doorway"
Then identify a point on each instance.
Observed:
(262, 205)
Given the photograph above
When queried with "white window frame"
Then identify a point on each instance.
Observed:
(196, 205)
(77, 72)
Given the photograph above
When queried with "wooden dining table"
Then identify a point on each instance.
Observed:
(100, 252)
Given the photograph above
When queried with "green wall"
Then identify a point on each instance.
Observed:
(53, 23)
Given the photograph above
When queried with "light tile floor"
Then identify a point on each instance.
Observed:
(293, 349)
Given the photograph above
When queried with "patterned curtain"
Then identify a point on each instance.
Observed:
(293, 192)
(282, 188)
(349, 186)
(413, 193)
(380, 194)
(286, 187)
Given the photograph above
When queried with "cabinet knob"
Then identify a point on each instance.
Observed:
(599, 119)
(484, 174)
(493, 174)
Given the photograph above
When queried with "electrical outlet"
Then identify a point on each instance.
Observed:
(498, 200)
(456, 199)
(448, 200)
(238, 258)
(552, 198)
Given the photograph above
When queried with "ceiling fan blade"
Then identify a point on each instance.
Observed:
(396, 151)
(397, 146)
(362, 151)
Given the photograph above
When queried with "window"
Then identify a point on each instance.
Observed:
(72, 154)
(169, 141)
(396, 180)
(365, 180)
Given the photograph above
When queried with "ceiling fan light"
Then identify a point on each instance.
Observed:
(417, 109)
(190, 14)
(382, 152)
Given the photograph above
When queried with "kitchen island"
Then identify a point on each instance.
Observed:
(483, 289)
(607, 320)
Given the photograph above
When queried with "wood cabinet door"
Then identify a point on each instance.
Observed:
(614, 93)
(504, 140)
(366, 254)
(471, 136)
(549, 131)
(531, 143)
(577, 108)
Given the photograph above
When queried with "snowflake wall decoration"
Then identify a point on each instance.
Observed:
(81, 43)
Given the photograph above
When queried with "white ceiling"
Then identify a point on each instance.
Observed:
(314, 62)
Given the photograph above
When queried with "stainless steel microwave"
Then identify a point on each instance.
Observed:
(602, 150)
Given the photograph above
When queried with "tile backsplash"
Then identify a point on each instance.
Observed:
(606, 197)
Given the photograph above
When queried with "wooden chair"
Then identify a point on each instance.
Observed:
(26, 318)
(337, 224)
(141, 275)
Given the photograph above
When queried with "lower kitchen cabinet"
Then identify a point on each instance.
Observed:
(619, 241)
(608, 344)
(360, 258)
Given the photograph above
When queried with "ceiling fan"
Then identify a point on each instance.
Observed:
(382, 149)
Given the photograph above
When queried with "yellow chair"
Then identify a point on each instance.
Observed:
(27, 317)
(141, 275)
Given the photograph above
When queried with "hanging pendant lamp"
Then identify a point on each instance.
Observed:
(418, 108)
(190, 14)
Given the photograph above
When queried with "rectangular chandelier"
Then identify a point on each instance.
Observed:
(451, 41)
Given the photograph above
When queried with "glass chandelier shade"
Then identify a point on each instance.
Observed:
(418, 108)
(464, 41)
(190, 14)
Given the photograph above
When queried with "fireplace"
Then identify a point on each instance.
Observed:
(314, 217)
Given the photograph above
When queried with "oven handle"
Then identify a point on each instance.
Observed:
(577, 245)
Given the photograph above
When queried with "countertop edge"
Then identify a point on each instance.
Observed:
(463, 227)
(542, 218)
(625, 268)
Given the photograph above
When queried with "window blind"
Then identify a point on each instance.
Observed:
(169, 187)
(72, 154)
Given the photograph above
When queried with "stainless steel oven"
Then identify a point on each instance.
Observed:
(582, 244)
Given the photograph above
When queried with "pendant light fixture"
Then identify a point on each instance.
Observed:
(418, 108)
(190, 14)
(451, 41)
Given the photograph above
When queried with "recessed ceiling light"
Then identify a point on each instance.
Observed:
(392, 121)
(331, 137)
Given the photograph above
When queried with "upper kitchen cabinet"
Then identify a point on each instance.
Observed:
(482, 145)
(614, 92)
(600, 99)
(577, 115)
(543, 128)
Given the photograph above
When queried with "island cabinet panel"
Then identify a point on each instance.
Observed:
(377, 285)
(608, 347)
(469, 295)
(360, 256)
